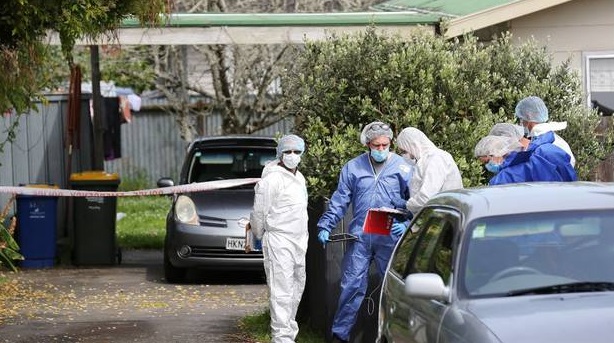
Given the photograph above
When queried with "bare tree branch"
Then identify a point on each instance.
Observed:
(242, 80)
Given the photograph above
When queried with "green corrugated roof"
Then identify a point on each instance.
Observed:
(452, 8)
(292, 19)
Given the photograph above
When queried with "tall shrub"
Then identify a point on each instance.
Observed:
(453, 90)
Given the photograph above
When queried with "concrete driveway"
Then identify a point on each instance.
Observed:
(128, 303)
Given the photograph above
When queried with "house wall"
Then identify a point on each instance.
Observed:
(571, 29)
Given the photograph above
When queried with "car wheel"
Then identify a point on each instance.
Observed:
(173, 274)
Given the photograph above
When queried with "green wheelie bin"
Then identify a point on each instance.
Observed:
(94, 217)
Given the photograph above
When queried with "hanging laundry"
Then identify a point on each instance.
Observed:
(112, 128)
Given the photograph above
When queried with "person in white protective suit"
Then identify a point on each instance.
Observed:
(533, 116)
(279, 218)
(435, 169)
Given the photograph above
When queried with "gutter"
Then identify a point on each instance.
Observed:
(290, 19)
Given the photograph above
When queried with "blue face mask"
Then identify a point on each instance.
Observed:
(379, 155)
(493, 167)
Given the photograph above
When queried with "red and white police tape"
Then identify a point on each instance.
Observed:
(189, 188)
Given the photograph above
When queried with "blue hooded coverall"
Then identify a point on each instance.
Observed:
(543, 161)
(360, 186)
(544, 147)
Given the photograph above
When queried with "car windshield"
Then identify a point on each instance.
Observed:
(538, 253)
(228, 163)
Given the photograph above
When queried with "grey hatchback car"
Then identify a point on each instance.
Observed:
(515, 263)
(215, 240)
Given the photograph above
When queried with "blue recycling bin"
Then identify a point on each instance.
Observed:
(37, 229)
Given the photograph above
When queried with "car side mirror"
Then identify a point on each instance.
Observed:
(426, 286)
(165, 182)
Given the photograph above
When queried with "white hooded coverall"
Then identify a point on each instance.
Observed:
(279, 218)
(435, 170)
(542, 128)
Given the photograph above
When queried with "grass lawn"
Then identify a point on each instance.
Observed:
(257, 328)
(144, 223)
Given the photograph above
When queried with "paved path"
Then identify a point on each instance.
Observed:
(128, 303)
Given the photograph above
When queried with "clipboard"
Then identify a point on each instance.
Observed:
(379, 220)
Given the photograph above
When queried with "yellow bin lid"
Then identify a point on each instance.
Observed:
(41, 186)
(94, 175)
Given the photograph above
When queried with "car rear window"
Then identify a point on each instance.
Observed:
(228, 163)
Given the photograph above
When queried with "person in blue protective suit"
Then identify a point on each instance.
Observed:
(533, 116)
(541, 147)
(544, 147)
(371, 180)
(510, 130)
(279, 218)
(504, 157)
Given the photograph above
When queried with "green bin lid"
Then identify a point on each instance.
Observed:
(94, 176)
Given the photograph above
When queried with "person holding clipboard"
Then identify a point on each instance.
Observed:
(370, 180)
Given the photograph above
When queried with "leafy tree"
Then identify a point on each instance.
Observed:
(24, 25)
(126, 66)
(453, 90)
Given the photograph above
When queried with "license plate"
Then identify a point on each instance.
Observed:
(233, 243)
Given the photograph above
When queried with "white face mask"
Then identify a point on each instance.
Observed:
(291, 161)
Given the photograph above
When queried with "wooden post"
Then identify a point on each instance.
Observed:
(98, 160)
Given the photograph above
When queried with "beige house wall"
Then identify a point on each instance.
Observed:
(571, 29)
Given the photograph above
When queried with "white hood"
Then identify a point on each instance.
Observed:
(541, 128)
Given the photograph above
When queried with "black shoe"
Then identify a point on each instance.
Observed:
(336, 339)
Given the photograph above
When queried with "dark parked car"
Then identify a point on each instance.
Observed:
(206, 229)
(516, 263)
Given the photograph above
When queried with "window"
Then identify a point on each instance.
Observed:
(600, 82)
(408, 242)
(228, 163)
(434, 252)
(515, 252)
(428, 249)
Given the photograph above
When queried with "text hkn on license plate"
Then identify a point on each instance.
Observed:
(233, 243)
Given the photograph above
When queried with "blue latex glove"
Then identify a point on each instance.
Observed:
(399, 203)
(398, 229)
(323, 236)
